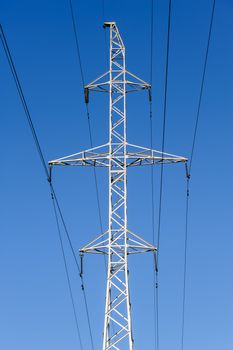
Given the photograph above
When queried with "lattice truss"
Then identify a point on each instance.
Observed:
(117, 155)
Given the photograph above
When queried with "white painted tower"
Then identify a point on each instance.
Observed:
(118, 242)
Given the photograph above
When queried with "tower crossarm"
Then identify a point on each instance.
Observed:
(135, 156)
(138, 155)
(132, 82)
(135, 244)
(97, 156)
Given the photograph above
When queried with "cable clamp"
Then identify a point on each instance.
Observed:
(155, 263)
(86, 94)
(150, 95)
(50, 175)
(81, 265)
(188, 175)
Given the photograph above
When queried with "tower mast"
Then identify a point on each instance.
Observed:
(117, 155)
(117, 291)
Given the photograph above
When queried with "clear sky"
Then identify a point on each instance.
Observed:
(35, 307)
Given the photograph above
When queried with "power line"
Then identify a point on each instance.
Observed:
(202, 85)
(151, 40)
(66, 270)
(76, 261)
(75, 29)
(188, 173)
(155, 289)
(74, 24)
(162, 171)
(47, 173)
(185, 261)
(164, 123)
(21, 95)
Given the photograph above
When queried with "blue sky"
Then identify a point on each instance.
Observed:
(35, 308)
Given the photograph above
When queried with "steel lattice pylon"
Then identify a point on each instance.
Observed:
(117, 155)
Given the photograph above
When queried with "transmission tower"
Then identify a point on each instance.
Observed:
(118, 242)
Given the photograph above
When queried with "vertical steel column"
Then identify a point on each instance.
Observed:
(117, 324)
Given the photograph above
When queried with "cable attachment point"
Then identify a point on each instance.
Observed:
(81, 265)
(187, 177)
(150, 95)
(155, 263)
(50, 175)
(187, 171)
(86, 94)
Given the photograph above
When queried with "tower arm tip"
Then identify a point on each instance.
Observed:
(109, 24)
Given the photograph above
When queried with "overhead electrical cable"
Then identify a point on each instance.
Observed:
(54, 196)
(162, 168)
(47, 173)
(155, 287)
(185, 260)
(76, 262)
(188, 172)
(21, 95)
(76, 40)
(75, 29)
(67, 271)
(151, 117)
(202, 85)
(164, 123)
